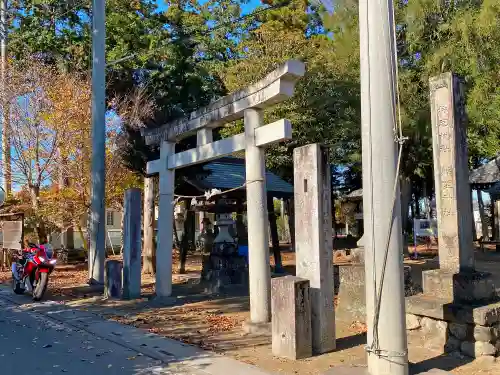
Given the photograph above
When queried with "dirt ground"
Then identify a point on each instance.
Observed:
(213, 322)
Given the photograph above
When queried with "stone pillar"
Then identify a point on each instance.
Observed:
(451, 173)
(113, 279)
(203, 137)
(313, 239)
(273, 229)
(149, 264)
(165, 224)
(258, 237)
(132, 244)
(456, 278)
(291, 318)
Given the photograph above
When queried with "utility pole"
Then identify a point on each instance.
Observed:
(97, 253)
(387, 354)
(7, 173)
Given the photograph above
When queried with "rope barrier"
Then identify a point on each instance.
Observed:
(212, 193)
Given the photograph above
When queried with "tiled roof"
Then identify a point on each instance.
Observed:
(355, 194)
(488, 173)
(229, 173)
(495, 191)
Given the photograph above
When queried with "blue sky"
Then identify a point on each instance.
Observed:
(247, 8)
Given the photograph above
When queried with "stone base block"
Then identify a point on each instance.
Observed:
(291, 318)
(478, 349)
(258, 329)
(351, 296)
(471, 330)
(222, 271)
(445, 309)
(113, 279)
(351, 292)
(162, 301)
(358, 370)
(347, 370)
(435, 332)
(466, 286)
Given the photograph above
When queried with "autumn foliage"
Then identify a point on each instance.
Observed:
(50, 134)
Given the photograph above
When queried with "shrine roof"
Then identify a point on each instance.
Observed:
(495, 191)
(229, 173)
(354, 195)
(486, 174)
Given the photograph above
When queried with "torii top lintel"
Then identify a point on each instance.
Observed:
(274, 88)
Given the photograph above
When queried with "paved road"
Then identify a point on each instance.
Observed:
(32, 343)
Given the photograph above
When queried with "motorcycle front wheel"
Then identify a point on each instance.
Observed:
(17, 286)
(41, 286)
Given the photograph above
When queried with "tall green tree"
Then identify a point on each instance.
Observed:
(325, 107)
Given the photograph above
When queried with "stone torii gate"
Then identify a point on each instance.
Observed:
(248, 104)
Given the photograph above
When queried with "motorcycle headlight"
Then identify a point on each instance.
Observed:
(42, 259)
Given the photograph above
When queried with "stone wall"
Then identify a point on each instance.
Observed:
(350, 289)
(473, 340)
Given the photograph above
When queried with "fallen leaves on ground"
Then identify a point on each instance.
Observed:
(220, 323)
(358, 327)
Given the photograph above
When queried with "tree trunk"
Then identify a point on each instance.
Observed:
(495, 220)
(482, 214)
(427, 202)
(89, 229)
(177, 242)
(149, 257)
(82, 237)
(405, 202)
(278, 266)
(291, 221)
(187, 237)
(35, 203)
(417, 207)
(122, 225)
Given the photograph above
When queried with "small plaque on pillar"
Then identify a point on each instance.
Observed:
(291, 318)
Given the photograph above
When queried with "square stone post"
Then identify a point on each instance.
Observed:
(313, 239)
(113, 279)
(132, 244)
(451, 173)
(291, 320)
(258, 237)
(456, 279)
(165, 223)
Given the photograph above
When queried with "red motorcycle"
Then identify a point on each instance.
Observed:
(31, 270)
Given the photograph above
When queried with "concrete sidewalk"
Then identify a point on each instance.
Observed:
(180, 357)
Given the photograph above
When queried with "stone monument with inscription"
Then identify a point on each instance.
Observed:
(458, 301)
(313, 239)
(291, 320)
